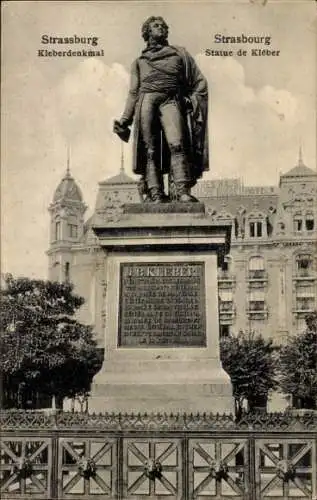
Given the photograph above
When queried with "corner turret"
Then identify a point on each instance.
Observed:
(67, 224)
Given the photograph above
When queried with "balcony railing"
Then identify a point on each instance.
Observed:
(305, 274)
(226, 277)
(304, 307)
(257, 308)
(257, 305)
(226, 319)
(227, 307)
(257, 275)
(227, 312)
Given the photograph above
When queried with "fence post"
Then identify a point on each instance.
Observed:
(185, 463)
(119, 466)
(54, 476)
(252, 472)
(314, 469)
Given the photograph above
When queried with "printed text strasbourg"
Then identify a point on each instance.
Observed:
(69, 40)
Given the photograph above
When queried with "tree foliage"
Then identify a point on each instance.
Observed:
(298, 365)
(249, 360)
(44, 348)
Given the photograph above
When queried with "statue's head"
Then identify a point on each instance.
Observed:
(155, 28)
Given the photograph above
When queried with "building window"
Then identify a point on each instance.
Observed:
(226, 300)
(298, 223)
(57, 230)
(256, 267)
(257, 305)
(305, 304)
(255, 229)
(226, 307)
(310, 223)
(225, 267)
(304, 265)
(67, 272)
(305, 298)
(224, 331)
(72, 230)
(227, 264)
(225, 274)
(301, 324)
(257, 301)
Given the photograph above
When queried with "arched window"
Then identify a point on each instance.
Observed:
(256, 225)
(309, 221)
(304, 264)
(57, 235)
(72, 226)
(67, 272)
(256, 267)
(298, 223)
(72, 231)
(255, 229)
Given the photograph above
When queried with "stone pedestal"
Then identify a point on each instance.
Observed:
(162, 327)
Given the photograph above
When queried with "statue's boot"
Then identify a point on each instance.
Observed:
(143, 190)
(154, 182)
(156, 196)
(182, 178)
(187, 198)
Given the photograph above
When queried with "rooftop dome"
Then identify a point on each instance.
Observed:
(121, 178)
(68, 189)
(300, 170)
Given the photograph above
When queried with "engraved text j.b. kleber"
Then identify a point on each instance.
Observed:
(162, 305)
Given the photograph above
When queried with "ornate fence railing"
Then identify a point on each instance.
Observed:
(184, 457)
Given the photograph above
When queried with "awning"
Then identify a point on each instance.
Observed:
(305, 292)
(256, 264)
(225, 295)
(257, 296)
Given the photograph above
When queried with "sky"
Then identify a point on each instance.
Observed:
(262, 108)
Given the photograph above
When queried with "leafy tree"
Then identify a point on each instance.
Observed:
(45, 350)
(249, 360)
(298, 365)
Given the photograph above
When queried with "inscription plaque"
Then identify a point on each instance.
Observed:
(162, 305)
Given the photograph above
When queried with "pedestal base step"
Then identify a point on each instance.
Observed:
(160, 398)
(164, 208)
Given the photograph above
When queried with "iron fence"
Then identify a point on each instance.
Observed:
(134, 457)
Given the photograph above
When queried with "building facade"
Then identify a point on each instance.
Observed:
(269, 281)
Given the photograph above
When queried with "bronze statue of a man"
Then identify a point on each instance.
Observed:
(168, 96)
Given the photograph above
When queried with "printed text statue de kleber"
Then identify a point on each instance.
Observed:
(169, 98)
